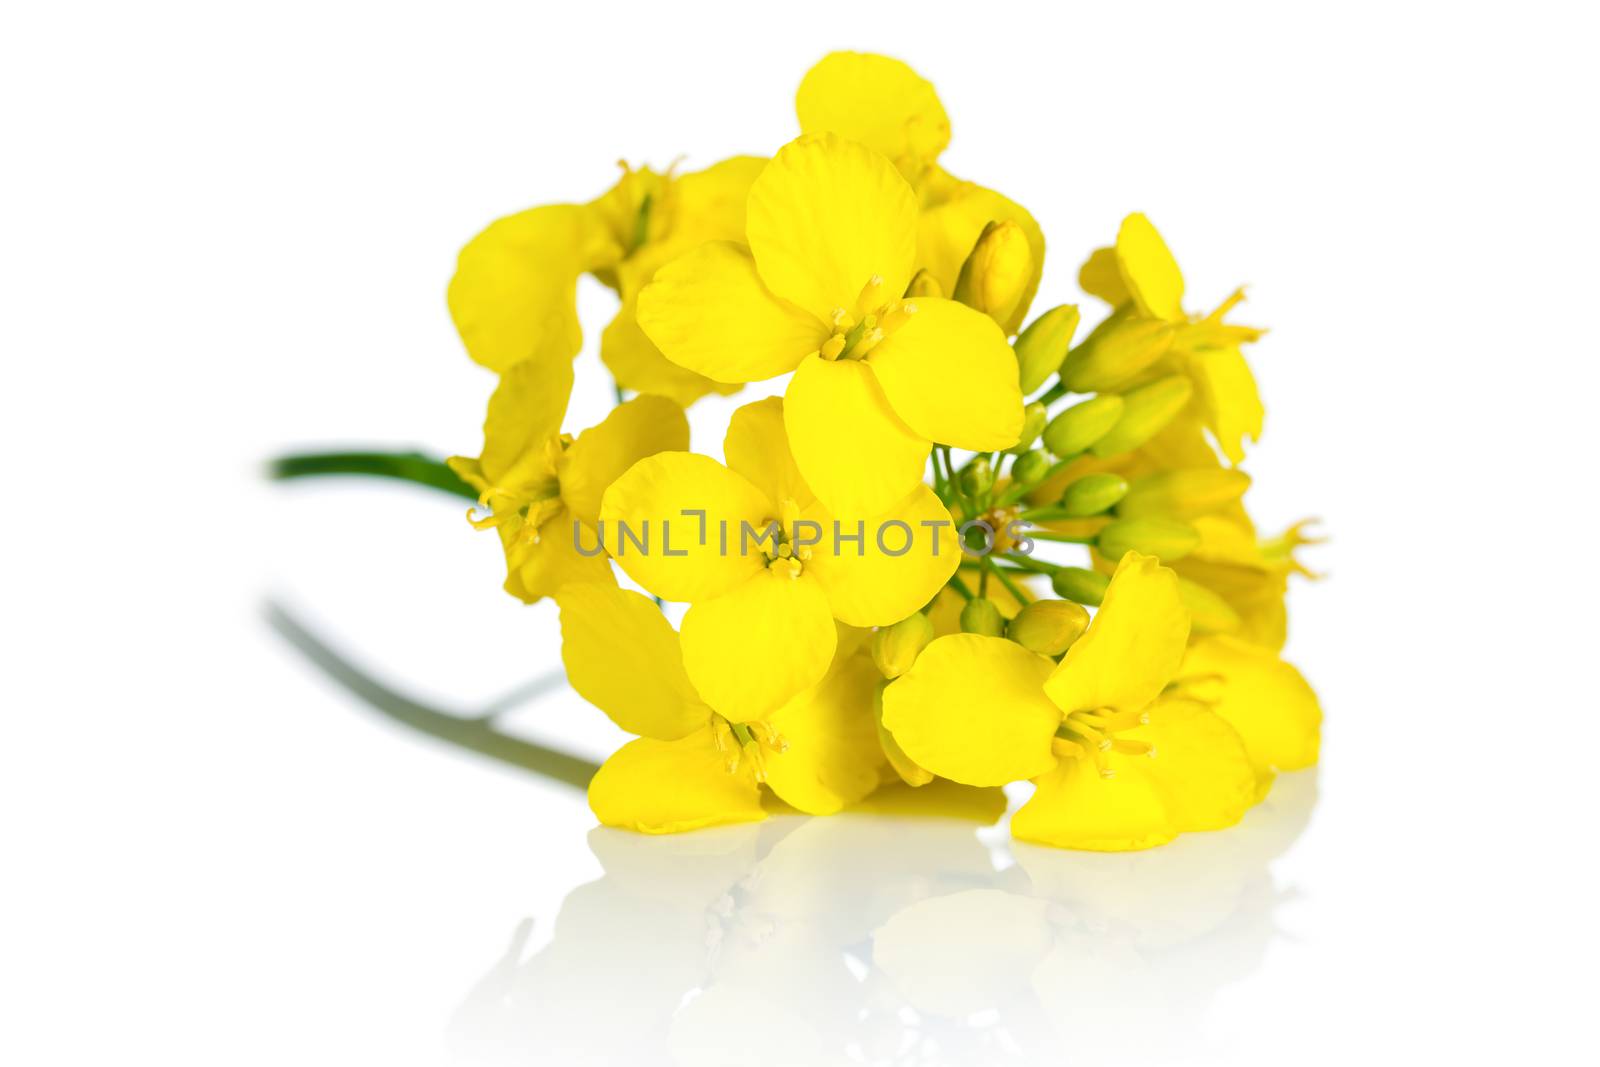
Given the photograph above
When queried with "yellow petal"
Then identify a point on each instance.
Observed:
(756, 646)
(950, 375)
(708, 312)
(1199, 762)
(665, 787)
(1100, 276)
(1196, 777)
(515, 287)
(543, 565)
(709, 205)
(879, 102)
(525, 412)
(947, 231)
(973, 709)
(1075, 807)
(637, 364)
(757, 446)
(825, 218)
(676, 555)
(853, 450)
(1133, 646)
(899, 564)
(832, 759)
(641, 427)
(1265, 699)
(622, 656)
(1228, 397)
(1148, 270)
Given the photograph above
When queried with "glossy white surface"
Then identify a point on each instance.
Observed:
(227, 232)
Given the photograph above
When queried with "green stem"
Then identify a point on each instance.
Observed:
(402, 466)
(474, 732)
(960, 587)
(1052, 394)
(1017, 492)
(1028, 563)
(1068, 539)
(1012, 587)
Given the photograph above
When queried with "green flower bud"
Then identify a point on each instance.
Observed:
(1081, 425)
(1048, 627)
(1208, 612)
(1079, 584)
(924, 284)
(1145, 413)
(1042, 347)
(980, 616)
(1165, 539)
(977, 477)
(895, 648)
(1184, 494)
(1092, 494)
(1030, 467)
(1034, 416)
(1115, 353)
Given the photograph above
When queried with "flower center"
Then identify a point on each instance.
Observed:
(858, 330)
(526, 496)
(1091, 734)
(783, 554)
(744, 743)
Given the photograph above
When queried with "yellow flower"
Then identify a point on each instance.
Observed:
(890, 108)
(763, 563)
(513, 296)
(538, 483)
(1249, 574)
(1149, 335)
(1263, 697)
(691, 767)
(878, 378)
(1117, 762)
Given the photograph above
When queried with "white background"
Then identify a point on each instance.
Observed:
(227, 232)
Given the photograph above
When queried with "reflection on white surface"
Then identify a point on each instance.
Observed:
(887, 939)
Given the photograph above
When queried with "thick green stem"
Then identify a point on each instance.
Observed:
(402, 466)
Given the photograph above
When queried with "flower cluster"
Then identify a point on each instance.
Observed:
(866, 602)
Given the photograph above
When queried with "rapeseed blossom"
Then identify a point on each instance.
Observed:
(872, 574)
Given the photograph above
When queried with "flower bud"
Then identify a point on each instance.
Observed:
(895, 648)
(1042, 347)
(1145, 413)
(1079, 584)
(1092, 494)
(997, 271)
(924, 284)
(1165, 539)
(1184, 493)
(1048, 627)
(977, 477)
(1030, 467)
(1081, 425)
(1034, 416)
(1116, 353)
(980, 616)
(1208, 612)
